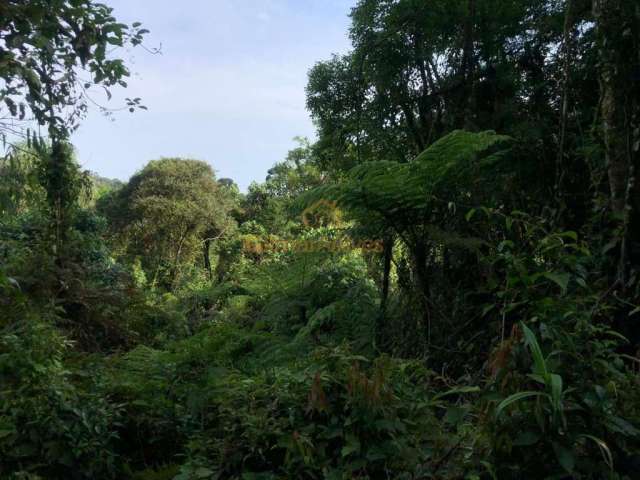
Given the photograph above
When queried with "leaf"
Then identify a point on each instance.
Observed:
(455, 415)
(456, 391)
(352, 446)
(516, 397)
(604, 449)
(487, 308)
(620, 425)
(470, 214)
(556, 389)
(203, 472)
(13, 282)
(561, 279)
(609, 246)
(570, 234)
(565, 457)
(617, 335)
(538, 359)
(509, 223)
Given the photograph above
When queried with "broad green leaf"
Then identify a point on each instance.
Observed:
(622, 426)
(457, 391)
(516, 397)
(560, 279)
(352, 446)
(538, 359)
(565, 457)
(203, 472)
(556, 389)
(470, 214)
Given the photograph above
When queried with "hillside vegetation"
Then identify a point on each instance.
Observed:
(442, 285)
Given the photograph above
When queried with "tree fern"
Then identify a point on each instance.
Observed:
(396, 192)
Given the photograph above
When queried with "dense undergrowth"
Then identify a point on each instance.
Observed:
(274, 372)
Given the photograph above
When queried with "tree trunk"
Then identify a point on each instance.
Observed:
(206, 247)
(468, 67)
(567, 53)
(420, 259)
(387, 259)
(617, 36)
(413, 127)
(173, 281)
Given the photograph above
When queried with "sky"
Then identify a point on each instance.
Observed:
(228, 86)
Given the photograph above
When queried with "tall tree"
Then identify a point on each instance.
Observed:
(618, 34)
(166, 213)
(419, 70)
(52, 54)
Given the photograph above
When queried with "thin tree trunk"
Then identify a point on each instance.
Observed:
(420, 259)
(387, 259)
(616, 28)
(176, 265)
(206, 247)
(413, 127)
(468, 66)
(567, 53)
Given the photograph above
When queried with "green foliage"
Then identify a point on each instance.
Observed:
(19, 189)
(332, 413)
(49, 426)
(272, 203)
(553, 412)
(174, 328)
(337, 419)
(403, 193)
(165, 214)
(54, 53)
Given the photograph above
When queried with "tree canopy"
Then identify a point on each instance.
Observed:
(166, 212)
(53, 53)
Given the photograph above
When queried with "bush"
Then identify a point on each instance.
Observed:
(48, 426)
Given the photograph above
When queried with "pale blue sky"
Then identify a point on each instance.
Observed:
(228, 87)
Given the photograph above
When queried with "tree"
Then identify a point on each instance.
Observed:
(53, 53)
(296, 174)
(416, 201)
(272, 202)
(419, 70)
(20, 188)
(618, 32)
(165, 214)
